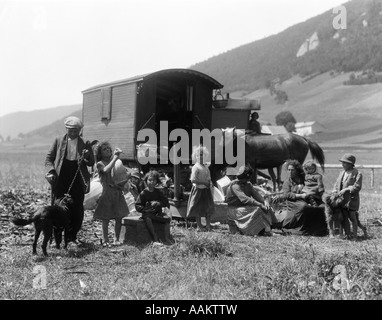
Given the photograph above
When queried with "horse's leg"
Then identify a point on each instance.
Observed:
(278, 180)
(273, 178)
(262, 174)
(255, 173)
(254, 176)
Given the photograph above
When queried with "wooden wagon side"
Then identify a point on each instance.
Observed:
(117, 111)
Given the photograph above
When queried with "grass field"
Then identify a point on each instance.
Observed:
(216, 265)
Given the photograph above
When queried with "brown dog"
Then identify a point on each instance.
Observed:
(47, 218)
(333, 212)
(337, 216)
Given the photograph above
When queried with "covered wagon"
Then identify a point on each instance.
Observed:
(117, 111)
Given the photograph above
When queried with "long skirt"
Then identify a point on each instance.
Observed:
(250, 220)
(303, 219)
(200, 203)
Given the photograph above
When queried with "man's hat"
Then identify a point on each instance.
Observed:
(244, 172)
(73, 122)
(348, 158)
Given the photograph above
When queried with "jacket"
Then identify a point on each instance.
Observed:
(56, 155)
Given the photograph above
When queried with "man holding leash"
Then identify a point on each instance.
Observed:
(67, 162)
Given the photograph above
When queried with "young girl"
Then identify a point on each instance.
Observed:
(111, 204)
(150, 203)
(313, 184)
(200, 203)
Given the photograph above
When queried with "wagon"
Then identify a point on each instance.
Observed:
(118, 110)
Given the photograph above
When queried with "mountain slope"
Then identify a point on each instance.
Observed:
(254, 65)
(351, 115)
(41, 138)
(25, 121)
(55, 128)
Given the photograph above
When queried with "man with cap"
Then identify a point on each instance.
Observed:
(67, 172)
(247, 208)
(349, 184)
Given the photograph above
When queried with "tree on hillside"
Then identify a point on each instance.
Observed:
(285, 117)
(281, 97)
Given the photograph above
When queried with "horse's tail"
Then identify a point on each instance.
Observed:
(317, 153)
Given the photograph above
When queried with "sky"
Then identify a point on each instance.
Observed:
(52, 50)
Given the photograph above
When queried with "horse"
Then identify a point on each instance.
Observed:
(268, 152)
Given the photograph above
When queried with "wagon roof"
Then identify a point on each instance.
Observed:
(187, 72)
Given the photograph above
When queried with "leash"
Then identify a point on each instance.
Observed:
(75, 176)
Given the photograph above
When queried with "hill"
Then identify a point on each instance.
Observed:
(41, 138)
(11, 125)
(310, 47)
(351, 114)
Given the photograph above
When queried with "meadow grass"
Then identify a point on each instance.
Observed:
(214, 265)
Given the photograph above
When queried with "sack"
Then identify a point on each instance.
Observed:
(223, 184)
(90, 200)
(119, 173)
(218, 195)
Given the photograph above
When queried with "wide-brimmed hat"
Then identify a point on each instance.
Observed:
(73, 122)
(348, 158)
(244, 172)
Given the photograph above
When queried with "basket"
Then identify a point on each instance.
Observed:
(218, 104)
(221, 103)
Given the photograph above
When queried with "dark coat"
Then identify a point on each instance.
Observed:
(56, 155)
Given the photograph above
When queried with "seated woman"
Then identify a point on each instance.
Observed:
(301, 218)
(247, 208)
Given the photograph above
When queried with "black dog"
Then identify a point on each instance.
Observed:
(47, 218)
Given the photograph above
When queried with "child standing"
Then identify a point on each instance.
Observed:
(349, 184)
(314, 186)
(111, 204)
(201, 202)
(150, 203)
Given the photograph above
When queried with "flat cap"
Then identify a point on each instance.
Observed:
(73, 122)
